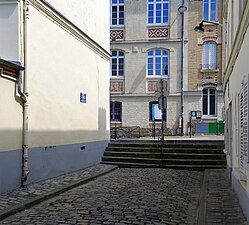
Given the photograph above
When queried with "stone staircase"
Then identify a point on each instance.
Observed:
(182, 154)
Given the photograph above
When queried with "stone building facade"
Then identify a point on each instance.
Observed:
(236, 89)
(148, 35)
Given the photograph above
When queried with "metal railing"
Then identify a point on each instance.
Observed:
(210, 66)
(125, 132)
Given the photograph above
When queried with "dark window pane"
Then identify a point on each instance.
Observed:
(121, 21)
(114, 53)
(212, 105)
(150, 52)
(121, 8)
(204, 105)
(166, 71)
(212, 91)
(120, 53)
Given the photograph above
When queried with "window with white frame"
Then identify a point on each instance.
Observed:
(116, 111)
(117, 64)
(158, 63)
(209, 102)
(117, 12)
(210, 10)
(158, 12)
(209, 55)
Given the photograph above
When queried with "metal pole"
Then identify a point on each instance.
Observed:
(182, 71)
(190, 127)
(162, 111)
(154, 128)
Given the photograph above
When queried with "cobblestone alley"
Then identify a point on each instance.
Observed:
(136, 196)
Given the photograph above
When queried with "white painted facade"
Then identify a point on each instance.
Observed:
(236, 103)
(67, 55)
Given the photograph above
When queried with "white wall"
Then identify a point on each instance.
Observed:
(89, 15)
(61, 67)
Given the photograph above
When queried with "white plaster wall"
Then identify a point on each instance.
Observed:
(240, 70)
(89, 15)
(60, 68)
(9, 41)
(11, 108)
(11, 116)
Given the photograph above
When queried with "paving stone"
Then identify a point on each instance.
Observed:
(131, 196)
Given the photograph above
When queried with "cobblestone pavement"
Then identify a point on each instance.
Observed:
(22, 195)
(125, 196)
(222, 204)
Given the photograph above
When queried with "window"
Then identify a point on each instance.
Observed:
(158, 63)
(117, 63)
(209, 102)
(210, 10)
(116, 111)
(155, 112)
(209, 55)
(117, 12)
(158, 12)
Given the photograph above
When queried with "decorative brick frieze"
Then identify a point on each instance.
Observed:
(158, 32)
(117, 86)
(152, 86)
(116, 35)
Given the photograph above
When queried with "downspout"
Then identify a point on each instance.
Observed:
(25, 169)
(182, 9)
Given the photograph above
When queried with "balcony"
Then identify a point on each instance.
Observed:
(209, 68)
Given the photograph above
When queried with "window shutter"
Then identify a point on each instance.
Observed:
(243, 134)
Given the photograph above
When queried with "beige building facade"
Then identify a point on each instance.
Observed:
(146, 46)
(59, 119)
(236, 96)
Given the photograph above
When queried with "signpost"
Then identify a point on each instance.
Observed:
(161, 94)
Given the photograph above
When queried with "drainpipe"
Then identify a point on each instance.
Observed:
(25, 170)
(182, 10)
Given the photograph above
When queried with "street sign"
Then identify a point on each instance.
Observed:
(162, 86)
(82, 98)
(157, 94)
(162, 102)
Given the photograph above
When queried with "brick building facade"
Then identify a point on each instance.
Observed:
(146, 47)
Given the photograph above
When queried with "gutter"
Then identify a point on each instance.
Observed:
(25, 95)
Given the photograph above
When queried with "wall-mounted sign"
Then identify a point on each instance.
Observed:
(156, 112)
(195, 114)
(82, 98)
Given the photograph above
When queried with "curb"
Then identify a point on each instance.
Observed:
(28, 204)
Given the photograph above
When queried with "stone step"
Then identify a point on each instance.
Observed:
(165, 150)
(165, 161)
(164, 155)
(174, 154)
(167, 145)
(183, 166)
